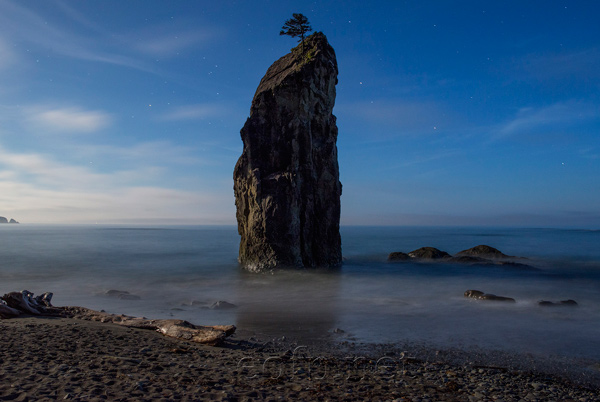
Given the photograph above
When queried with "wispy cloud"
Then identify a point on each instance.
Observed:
(25, 26)
(193, 112)
(556, 116)
(7, 55)
(38, 188)
(172, 43)
(579, 65)
(92, 42)
(68, 119)
(399, 117)
(157, 153)
(119, 205)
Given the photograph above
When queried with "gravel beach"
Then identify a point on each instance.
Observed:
(68, 359)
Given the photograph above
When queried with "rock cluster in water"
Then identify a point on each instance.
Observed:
(479, 295)
(286, 182)
(4, 220)
(478, 255)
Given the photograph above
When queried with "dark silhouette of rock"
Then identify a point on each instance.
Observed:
(470, 260)
(3, 219)
(398, 256)
(428, 253)
(569, 303)
(482, 251)
(479, 295)
(286, 182)
(12, 221)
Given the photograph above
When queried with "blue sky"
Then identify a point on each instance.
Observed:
(449, 112)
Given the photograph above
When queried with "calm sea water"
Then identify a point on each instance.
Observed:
(180, 271)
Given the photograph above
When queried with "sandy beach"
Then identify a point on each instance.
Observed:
(68, 359)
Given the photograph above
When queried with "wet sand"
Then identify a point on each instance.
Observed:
(67, 359)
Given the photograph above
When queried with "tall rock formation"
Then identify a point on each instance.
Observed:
(286, 182)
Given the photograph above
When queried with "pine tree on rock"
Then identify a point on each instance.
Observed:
(296, 26)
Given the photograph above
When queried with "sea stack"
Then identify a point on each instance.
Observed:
(286, 182)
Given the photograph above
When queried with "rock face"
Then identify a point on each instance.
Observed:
(398, 256)
(286, 182)
(4, 220)
(428, 253)
(482, 251)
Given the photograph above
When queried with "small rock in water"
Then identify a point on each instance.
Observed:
(338, 331)
(122, 294)
(221, 305)
(479, 295)
(570, 302)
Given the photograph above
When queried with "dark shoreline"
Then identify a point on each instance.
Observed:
(67, 359)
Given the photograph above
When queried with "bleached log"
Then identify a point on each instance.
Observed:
(21, 301)
(15, 303)
(180, 329)
(26, 303)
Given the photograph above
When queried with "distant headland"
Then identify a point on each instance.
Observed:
(4, 220)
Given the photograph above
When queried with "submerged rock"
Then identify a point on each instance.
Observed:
(479, 295)
(286, 182)
(122, 294)
(569, 303)
(469, 260)
(222, 305)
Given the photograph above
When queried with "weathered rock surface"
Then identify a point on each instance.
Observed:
(482, 251)
(286, 182)
(16, 303)
(398, 256)
(4, 220)
(429, 253)
(479, 295)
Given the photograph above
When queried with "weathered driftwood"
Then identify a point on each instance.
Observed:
(8, 312)
(24, 302)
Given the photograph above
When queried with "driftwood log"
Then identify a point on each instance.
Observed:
(16, 303)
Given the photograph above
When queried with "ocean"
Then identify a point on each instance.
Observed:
(181, 271)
